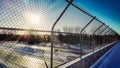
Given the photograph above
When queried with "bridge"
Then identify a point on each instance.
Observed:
(54, 34)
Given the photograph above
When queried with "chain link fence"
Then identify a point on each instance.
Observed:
(48, 33)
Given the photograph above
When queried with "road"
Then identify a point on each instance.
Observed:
(17, 55)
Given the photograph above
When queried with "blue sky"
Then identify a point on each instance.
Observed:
(30, 14)
(41, 14)
(107, 11)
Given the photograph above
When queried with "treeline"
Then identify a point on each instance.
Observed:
(69, 39)
(86, 39)
(63, 38)
(30, 39)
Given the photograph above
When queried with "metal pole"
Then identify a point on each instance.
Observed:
(112, 39)
(108, 35)
(111, 32)
(98, 29)
(104, 30)
(87, 24)
(104, 40)
(80, 9)
(81, 38)
(116, 33)
(108, 31)
(94, 34)
(93, 42)
(116, 36)
(51, 60)
(101, 33)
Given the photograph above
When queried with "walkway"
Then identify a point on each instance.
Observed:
(110, 59)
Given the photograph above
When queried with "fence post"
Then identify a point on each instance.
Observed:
(103, 35)
(94, 35)
(81, 38)
(51, 60)
(106, 35)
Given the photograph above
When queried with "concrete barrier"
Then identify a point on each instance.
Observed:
(87, 60)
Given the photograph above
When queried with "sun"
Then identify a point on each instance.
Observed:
(33, 18)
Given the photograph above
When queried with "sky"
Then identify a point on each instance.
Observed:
(29, 14)
(108, 11)
(41, 14)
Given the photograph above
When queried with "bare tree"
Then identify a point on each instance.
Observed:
(58, 30)
(72, 29)
(77, 29)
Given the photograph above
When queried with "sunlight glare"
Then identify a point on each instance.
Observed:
(34, 18)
